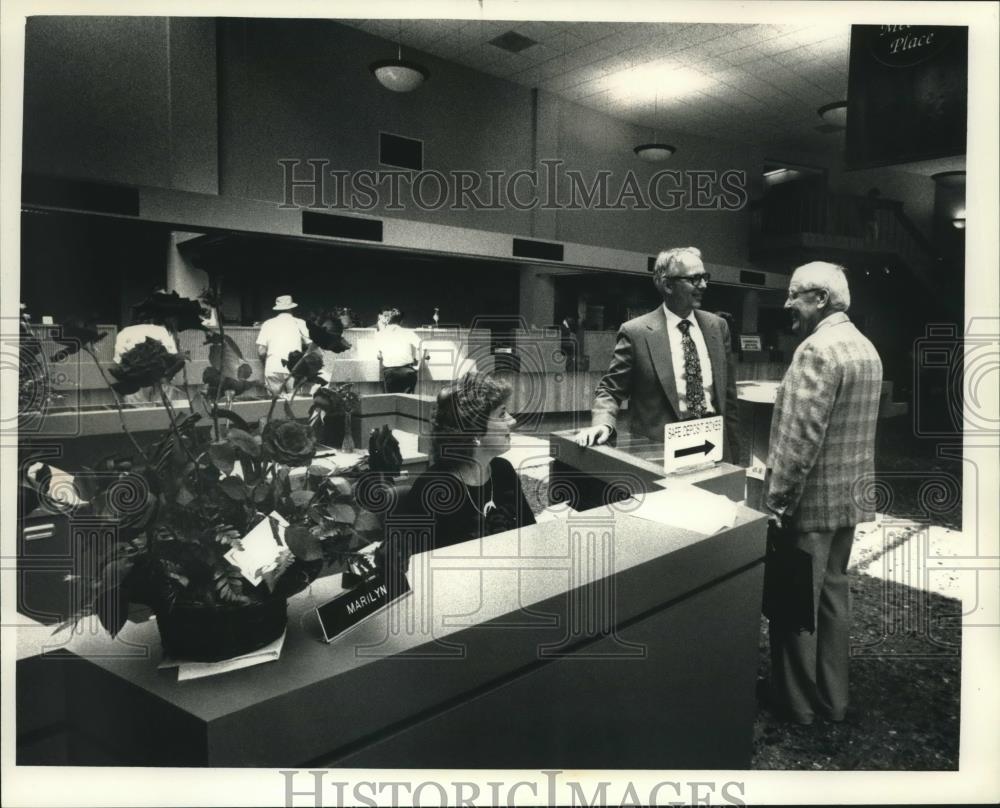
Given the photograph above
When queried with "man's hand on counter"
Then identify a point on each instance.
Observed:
(593, 436)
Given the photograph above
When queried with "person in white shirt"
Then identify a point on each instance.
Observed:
(399, 353)
(133, 335)
(278, 337)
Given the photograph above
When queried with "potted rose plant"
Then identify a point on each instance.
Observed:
(179, 505)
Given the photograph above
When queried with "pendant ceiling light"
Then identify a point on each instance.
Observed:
(834, 114)
(397, 74)
(654, 152)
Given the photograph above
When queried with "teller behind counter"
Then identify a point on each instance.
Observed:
(468, 491)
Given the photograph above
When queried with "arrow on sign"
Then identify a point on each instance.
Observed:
(703, 448)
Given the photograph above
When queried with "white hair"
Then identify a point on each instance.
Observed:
(667, 261)
(830, 277)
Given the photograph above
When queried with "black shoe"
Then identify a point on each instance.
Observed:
(765, 700)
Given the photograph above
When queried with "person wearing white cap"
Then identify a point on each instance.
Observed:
(278, 337)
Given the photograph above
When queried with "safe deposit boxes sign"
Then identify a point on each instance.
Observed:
(692, 443)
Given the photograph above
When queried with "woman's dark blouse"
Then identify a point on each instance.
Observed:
(438, 511)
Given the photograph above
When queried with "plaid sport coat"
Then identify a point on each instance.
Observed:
(823, 429)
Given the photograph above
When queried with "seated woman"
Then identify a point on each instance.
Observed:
(468, 491)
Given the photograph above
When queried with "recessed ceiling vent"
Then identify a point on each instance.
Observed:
(513, 42)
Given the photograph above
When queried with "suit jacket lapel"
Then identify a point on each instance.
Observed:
(658, 341)
(717, 356)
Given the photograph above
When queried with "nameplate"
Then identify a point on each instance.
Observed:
(345, 611)
(692, 443)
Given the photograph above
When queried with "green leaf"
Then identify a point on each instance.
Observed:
(223, 455)
(341, 485)
(367, 522)
(282, 480)
(271, 577)
(303, 544)
(184, 496)
(342, 512)
(86, 484)
(111, 606)
(301, 498)
(230, 368)
(228, 536)
(261, 492)
(183, 580)
(244, 441)
(234, 488)
(229, 587)
(115, 572)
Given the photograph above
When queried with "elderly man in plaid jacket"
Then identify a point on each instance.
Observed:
(822, 443)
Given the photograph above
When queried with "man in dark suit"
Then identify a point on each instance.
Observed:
(673, 364)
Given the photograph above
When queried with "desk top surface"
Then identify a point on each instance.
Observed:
(455, 589)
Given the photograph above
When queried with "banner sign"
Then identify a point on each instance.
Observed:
(907, 93)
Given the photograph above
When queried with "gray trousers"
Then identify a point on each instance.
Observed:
(809, 671)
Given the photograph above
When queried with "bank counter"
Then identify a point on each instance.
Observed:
(600, 640)
(448, 353)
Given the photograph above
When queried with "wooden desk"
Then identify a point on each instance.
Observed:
(603, 641)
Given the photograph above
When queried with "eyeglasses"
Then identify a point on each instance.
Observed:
(694, 280)
(792, 295)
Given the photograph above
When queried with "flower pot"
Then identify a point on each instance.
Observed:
(213, 633)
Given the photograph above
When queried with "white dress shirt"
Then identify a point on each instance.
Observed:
(279, 336)
(398, 346)
(132, 335)
(677, 359)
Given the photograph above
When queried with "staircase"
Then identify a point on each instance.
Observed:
(840, 226)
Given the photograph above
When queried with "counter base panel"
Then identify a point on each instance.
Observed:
(601, 707)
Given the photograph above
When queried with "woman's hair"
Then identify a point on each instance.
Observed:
(462, 413)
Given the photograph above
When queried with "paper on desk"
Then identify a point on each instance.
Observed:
(187, 670)
(259, 552)
(687, 507)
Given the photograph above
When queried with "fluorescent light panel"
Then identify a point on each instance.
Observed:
(654, 82)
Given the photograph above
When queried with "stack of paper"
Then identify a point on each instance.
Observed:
(687, 507)
(187, 669)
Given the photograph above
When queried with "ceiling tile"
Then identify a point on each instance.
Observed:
(769, 77)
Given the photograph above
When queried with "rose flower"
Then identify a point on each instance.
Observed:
(145, 365)
(289, 442)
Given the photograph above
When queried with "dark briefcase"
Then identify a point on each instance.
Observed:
(788, 582)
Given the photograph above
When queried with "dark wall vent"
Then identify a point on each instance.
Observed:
(329, 224)
(98, 197)
(513, 42)
(402, 152)
(651, 263)
(525, 248)
(753, 278)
